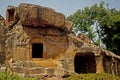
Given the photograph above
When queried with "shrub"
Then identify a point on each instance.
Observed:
(8, 76)
(93, 77)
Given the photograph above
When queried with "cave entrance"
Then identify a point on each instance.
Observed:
(37, 50)
(84, 62)
(11, 15)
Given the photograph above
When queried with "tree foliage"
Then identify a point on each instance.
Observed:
(100, 23)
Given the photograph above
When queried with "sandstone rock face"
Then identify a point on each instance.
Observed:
(68, 26)
(2, 40)
(40, 44)
(30, 25)
(11, 17)
(84, 37)
(34, 15)
(1, 18)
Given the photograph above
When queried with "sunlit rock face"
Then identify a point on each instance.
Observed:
(37, 41)
(40, 16)
(36, 16)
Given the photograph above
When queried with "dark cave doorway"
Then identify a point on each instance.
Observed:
(37, 50)
(84, 62)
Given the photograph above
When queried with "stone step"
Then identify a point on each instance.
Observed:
(39, 76)
(19, 69)
(35, 70)
(44, 77)
(33, 64)
(40, 72)
(24, 64)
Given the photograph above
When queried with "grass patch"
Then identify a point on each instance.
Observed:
(8, 76)
(93, 77)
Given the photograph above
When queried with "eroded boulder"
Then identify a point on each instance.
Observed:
(34, 15)
(84, 37)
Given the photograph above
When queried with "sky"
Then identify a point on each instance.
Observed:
(67, 7)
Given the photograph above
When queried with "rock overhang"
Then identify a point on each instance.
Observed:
(36, 16)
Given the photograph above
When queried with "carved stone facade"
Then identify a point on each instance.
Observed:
(40, 44)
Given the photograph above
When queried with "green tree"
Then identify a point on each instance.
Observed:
(99, 21)
(110, 26)
(82, 23)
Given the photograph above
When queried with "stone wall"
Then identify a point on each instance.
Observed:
(54, 43)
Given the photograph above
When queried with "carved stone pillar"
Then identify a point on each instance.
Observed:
(99, 64)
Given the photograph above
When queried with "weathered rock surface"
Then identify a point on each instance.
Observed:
(2, 41)
(1, 18)
(68, 26)
(34, 15)
(84, 37)
(11, 17)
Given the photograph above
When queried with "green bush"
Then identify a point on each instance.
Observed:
(93, 77)
(8, 76)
